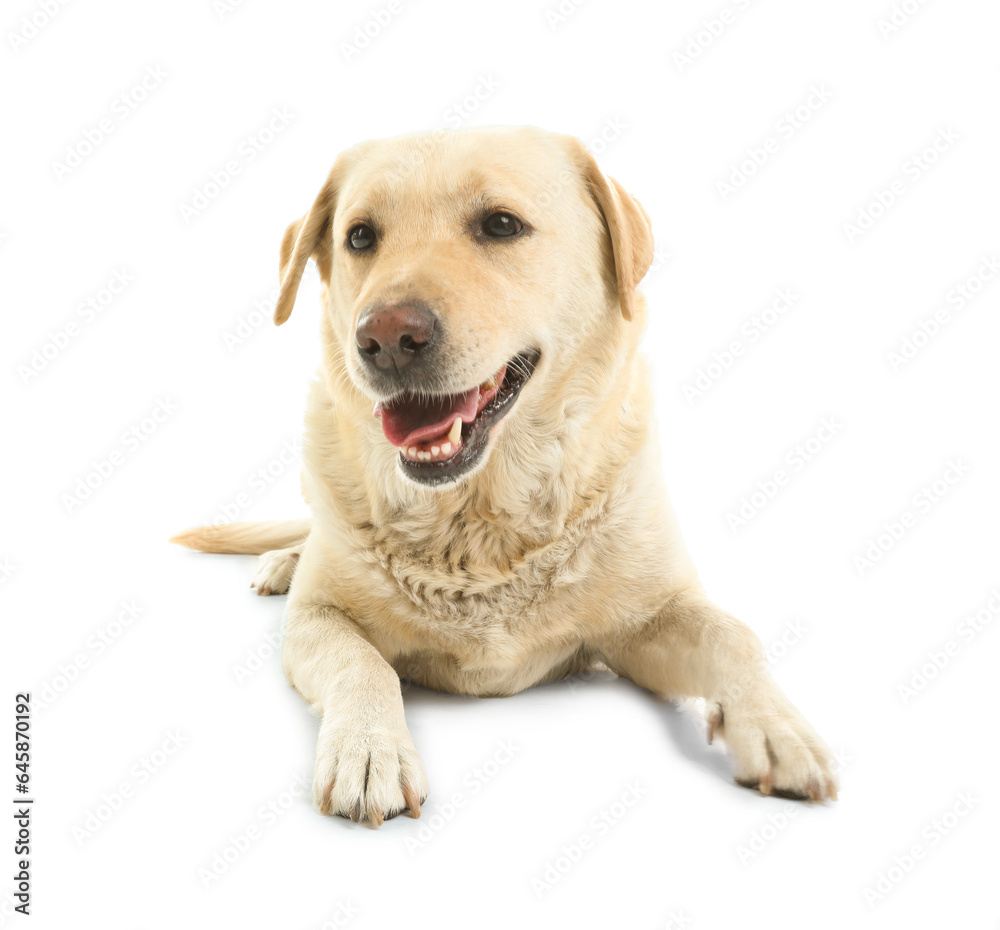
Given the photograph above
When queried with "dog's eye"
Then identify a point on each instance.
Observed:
(361, 237)
(502, 225)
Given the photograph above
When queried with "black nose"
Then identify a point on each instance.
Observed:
(393, 336)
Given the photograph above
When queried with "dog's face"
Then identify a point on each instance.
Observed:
(463, 271)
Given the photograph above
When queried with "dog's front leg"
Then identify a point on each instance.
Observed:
(692, 648)
(367, 767)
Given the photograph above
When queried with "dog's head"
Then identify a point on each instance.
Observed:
(462, 271)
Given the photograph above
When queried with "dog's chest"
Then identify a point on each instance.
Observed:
(485, 639)
(479, 600)
(447, 594)
(485, 593)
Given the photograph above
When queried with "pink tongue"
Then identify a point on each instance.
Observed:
(412, 420)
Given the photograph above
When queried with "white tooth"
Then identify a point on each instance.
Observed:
(435, 450)
(490, 383)
(412, 452)
(446, 448)
(455, 433)
(425, 456)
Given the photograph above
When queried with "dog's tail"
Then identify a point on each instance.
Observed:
(245, 538)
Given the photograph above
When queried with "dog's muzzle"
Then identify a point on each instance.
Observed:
(441, 437)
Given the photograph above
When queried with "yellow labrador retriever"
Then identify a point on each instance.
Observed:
(501, 518)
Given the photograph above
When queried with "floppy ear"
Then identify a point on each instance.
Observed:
(628, 225)
(310, 236)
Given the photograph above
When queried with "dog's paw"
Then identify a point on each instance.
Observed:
(774, 748)
(367, 774)
(275, 570)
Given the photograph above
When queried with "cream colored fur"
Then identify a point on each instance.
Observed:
(562, 550)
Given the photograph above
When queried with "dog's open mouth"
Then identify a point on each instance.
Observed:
(440, 437)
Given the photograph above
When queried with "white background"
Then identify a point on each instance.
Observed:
(694, 850)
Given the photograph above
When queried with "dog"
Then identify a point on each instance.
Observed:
(481, 463)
